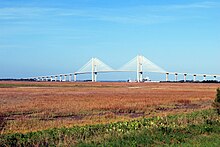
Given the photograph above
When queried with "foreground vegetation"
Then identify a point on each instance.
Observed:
(216, 103)
(199, 128)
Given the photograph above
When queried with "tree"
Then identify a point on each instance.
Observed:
(216, 103)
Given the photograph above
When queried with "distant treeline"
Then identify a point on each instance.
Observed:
(191, 81)
(17, 79)
(181, 81)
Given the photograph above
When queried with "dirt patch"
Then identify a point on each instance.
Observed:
(163, 109)
(187, 106)
(69, 117)
(179, 106)
(131, 114)
(136, 115)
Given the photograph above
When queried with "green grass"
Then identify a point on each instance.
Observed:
(200, 128)
(204, 140)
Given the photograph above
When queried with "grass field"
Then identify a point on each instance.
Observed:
(28, 107)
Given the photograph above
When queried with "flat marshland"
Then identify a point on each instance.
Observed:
(37, 106)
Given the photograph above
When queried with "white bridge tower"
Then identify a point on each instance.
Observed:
(94, 66)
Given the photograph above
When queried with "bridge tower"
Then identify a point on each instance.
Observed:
(140, 64)
(139, 68)
(93, 67)
(94, 70)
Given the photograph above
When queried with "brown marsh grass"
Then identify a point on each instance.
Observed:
(32, 106)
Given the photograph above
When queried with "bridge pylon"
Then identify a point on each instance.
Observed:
(140, 64)
(94, 66)
(139, 68)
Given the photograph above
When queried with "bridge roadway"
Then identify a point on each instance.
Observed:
(139, 64)
(63, 77)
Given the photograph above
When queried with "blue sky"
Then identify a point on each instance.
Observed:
(43, 37)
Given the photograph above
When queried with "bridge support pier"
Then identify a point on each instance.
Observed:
(176, 77)
(167, 77)
(94, 76)
(61, 78)
(94, 70)
(75, 76)
(194, 78)
(65, 76)
(70, 77)
(185, 77)
(139, 68)
(215, 78)
(204, 77)
(140, 77)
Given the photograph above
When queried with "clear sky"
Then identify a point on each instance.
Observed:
(43, 37)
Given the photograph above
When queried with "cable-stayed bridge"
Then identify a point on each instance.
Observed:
(139, 64)
(94, 66)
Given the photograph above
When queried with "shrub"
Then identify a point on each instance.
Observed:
(216, 103)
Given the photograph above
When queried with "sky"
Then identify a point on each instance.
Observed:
(44, 37)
